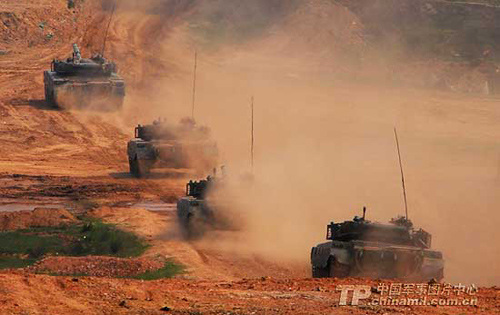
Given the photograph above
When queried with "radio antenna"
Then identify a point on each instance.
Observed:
(402, 174)
(252, 136)
(194, 83)
(107, 28)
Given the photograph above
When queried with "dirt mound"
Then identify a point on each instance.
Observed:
(37, 217)
(139, 221)
(95, 266)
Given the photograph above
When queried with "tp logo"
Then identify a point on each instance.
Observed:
(360, 292)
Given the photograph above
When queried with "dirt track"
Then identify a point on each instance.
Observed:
(45, 294)
(78, 159)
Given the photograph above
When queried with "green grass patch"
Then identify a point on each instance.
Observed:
(169, 270)
(22, 242)
(11, 262)
(92, 237)
(97, 238)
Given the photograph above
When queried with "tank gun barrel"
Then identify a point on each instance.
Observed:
(76, 53)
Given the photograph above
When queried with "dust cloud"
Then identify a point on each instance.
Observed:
(324, 143)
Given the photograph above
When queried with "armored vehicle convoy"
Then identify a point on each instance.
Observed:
(163, 145)
(361, 248)
(84, 83)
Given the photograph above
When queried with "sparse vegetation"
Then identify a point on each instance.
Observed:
(169, 270)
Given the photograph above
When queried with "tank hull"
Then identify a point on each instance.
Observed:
(195, 217)
(76, 92)
(170, 154)
(376, 260)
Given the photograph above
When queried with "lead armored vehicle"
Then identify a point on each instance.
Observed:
(362, 248)
(164, 145)
(84, 83)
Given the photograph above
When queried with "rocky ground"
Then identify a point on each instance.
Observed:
(95, 266)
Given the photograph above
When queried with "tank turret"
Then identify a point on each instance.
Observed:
(95, 66)
(158, 130)
(198, 189)
(399, 231)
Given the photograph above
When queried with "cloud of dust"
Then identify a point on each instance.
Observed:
(324, 144)
(323, 152)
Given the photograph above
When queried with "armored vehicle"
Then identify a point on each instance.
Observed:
(200, 210)
(361, 248)
(194, 214)
(84, 83)
(161, 145)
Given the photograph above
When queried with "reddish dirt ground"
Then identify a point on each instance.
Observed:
(62, 295)
(95, 266)
(78, 160)
(37, 217)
